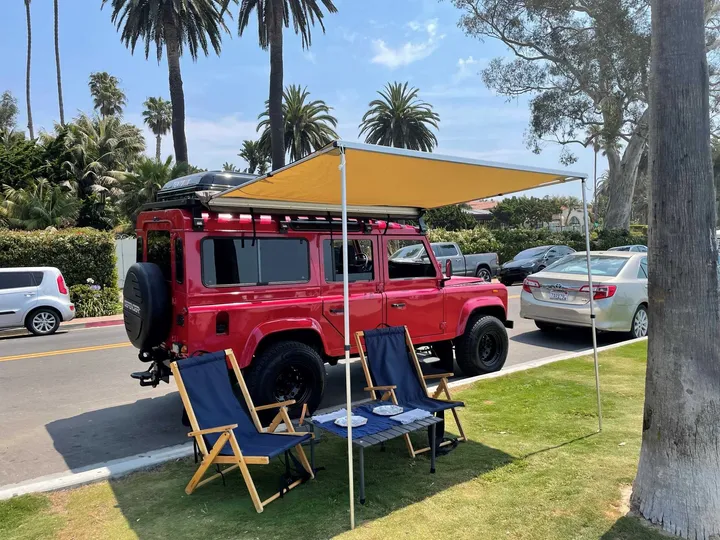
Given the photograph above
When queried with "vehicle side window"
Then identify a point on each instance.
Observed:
(360, 260)
(409, 259)
(643, 270)
(179, 261)
(158, 251)
(448, 250)
(238, 261)
(38, 277)
(16, 280)
(554, 252)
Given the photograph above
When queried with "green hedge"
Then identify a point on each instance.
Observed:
(78, 253)
(90, 302)
(509, 242)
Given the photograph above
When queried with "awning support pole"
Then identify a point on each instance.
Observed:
(346, 332)
(592, 304)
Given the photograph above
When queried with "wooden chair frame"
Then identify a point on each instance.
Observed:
(237, 460)
(389, 391)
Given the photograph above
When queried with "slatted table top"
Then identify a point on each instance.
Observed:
(386, 435)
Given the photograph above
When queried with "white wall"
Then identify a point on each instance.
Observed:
(125, 251)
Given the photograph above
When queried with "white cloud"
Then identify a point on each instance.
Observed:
(466, 67)
(409, 52)
(310, 57)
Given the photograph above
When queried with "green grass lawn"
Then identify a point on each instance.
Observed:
(534, 469)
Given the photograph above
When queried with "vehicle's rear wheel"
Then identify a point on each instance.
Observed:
(640, 323)
(43, 321)
(507, 282)
(545, 327)
(287, 370)
(484, 273)
(444, 351)
(483, 348)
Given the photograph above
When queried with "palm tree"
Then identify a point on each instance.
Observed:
(399, 119)
(107, 96)
(308, 126)
(39, 206)
(57, 65)
(142, 184)
(229, 167)
(158, 117)
(256, 157)
(98, 146)
(27, 69)
(272, 15)
(174, 24)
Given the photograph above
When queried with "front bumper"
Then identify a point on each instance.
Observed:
(609, 316)
(514, 274)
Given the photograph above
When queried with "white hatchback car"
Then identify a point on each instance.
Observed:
(560, 295)
(36, 298)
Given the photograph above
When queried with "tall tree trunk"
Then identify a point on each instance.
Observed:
(158, 144)
(57, 65)
(277, 128)
(622, 176)
(678, 480)
(27, 69)
(177, 96)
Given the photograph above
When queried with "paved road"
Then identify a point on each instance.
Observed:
(68, 411)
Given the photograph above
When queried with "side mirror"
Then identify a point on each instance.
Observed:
(448, 269)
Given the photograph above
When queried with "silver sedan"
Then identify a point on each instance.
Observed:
(560, 295)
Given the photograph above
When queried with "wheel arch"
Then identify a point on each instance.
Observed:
(480, 306)
(35, 309)
(306, 331)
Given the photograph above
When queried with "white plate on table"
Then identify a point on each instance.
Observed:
(356, 421)
(387, 410)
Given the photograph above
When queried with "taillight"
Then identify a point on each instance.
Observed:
(62, 289)
(601, 291)
(529, 285)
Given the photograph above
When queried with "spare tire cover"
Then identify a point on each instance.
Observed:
(146, 305)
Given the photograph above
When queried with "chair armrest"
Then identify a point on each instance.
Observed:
(276, 405)
(369, 388)
(218, 429)
(438, 376)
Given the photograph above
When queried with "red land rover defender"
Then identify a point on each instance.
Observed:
(270, 288)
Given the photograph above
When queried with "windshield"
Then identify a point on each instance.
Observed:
(620, 248)
(530, 253)
(409, 252)
(600, 266)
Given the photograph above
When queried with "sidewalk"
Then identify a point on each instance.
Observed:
(87, 322)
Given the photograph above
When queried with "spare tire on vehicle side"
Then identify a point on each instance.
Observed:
(146, 305)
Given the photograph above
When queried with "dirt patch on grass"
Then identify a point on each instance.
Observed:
(621, 507)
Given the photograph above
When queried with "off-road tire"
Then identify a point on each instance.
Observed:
(489, 332)
(286, 358)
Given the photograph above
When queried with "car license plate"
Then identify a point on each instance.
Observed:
(558, 295)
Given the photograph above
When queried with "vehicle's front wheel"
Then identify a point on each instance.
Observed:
(287, 370)
(43, 322)
(484, 273)
(640, 323)
(483, 348)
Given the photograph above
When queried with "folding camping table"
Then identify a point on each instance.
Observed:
(380, 436)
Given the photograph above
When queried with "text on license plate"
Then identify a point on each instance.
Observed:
(558, 295)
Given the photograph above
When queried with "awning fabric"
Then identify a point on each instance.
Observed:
(384, 180)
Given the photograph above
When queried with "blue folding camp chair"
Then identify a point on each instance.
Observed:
(220, 423)
(391, 366)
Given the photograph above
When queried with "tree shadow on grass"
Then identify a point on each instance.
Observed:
(631, 528)
(155, 505)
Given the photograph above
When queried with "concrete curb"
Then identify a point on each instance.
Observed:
(124, 466)
(113, 320)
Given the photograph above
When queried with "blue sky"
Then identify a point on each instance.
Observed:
(367, 44)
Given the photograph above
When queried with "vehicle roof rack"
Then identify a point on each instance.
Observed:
(189, 191)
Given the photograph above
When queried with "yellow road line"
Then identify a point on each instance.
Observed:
(65, 351)
(514, 296)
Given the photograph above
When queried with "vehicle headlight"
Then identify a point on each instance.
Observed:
(528, 265)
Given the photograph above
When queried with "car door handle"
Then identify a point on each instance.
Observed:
(29, 295)
(398, 305)
(338, 311)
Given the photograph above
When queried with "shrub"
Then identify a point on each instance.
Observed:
(78, 253)
(94, 301)
(477, 240)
